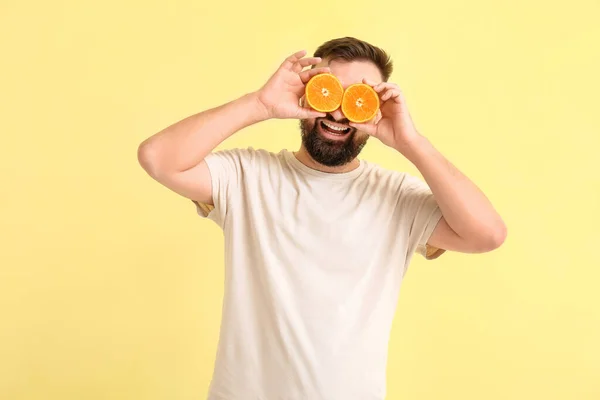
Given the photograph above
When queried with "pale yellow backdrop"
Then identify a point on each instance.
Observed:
(110, 285)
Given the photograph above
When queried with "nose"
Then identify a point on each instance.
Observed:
(338, 115)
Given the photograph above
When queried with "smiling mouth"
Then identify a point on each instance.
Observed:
(334, 129)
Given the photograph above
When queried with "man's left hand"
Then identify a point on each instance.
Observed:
(393, 124)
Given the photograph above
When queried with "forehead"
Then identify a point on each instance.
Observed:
(349, 72)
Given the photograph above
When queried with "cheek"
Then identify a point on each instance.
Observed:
(361, 135)
(307, 124)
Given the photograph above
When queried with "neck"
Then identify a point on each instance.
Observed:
(305, 158)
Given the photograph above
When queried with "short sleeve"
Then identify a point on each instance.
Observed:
(421, 214)
(227, 171)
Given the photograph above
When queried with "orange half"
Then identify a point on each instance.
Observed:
(324, 92)
(360, 103)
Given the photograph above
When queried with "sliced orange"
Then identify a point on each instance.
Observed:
(324, 92)
(360, 103)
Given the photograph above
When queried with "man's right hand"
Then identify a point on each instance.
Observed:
(280, 96)
(175, 156)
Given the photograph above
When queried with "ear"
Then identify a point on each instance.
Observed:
(377, 117)
(301, 101)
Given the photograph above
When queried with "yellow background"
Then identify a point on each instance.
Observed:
(110, 285)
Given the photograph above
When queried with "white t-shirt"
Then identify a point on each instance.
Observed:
(313, 266)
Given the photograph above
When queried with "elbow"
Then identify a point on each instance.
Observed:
(147, 158)
(494, 238)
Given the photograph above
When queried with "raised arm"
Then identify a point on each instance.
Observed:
(175, 156)
(470, 224)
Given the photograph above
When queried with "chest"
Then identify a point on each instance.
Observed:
(344, 225)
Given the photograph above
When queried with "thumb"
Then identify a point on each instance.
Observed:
(370, 129)
(305, 113)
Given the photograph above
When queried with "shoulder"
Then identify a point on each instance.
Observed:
(246, 160)
(247, 155)
(263, 156)
(390, 179)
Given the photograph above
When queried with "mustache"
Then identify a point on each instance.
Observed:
(330, 118)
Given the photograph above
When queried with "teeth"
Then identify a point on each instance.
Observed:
(335, 128)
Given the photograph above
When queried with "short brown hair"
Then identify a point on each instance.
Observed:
(350, 49)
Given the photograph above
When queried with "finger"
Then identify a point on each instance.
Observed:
(368, 128)
(291, 60)
(370, 82)
(377, 86)
(385, 85)
(305, 62)
(390, 93)
(306, 75)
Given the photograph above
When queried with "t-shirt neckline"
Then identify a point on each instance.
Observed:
(289, 155)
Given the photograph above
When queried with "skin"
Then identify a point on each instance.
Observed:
(175, 156)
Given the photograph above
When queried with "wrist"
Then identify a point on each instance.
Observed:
(413, 147)
(259, 112)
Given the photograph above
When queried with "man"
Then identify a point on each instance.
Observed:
(317, 241)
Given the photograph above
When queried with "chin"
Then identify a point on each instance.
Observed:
(330, 148)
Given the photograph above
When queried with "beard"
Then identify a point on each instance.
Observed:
(332, 153)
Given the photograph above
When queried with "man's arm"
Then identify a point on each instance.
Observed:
(175, 156)
(470, 223)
